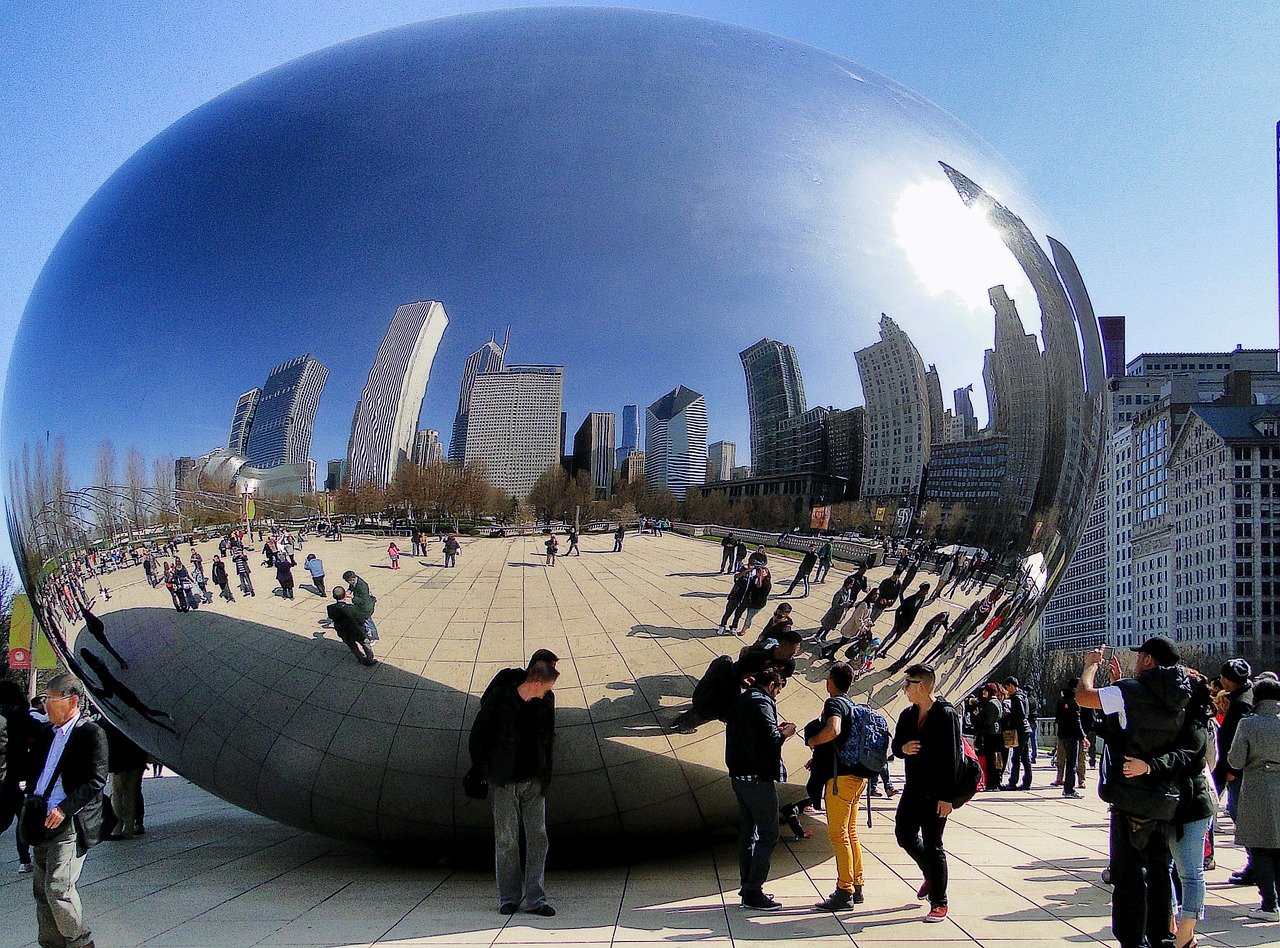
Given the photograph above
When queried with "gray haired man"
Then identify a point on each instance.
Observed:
(72, 764)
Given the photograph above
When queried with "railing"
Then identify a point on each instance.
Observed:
(842, 548)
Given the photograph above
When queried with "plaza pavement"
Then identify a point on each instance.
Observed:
(1024, 866)
(1024, 872)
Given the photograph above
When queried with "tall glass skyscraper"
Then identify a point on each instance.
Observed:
(242, 421)
(628, 434)
(775, 393)
(280, 431)
(386, 418)
(488, 358)
(675, 442)
(897, 420)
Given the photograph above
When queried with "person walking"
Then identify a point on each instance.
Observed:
(71, 761)
(18, 731)
(553, 547)
(1070, 748)
(363, 602)
(350, 627)
(393, 554)
(284, 575)
(1144, 716)
(843, 788)
(241, 560)
(759, 585)
(125, 763)
(315, 566)
(928, 739)
(573, 543)
(727, 546)
(807, 563)
(1255, 754)
(825, 553)
(511, 748)
(856, 629)
(735, 603)
(908, 609)
(990, 738)
(1235, 682)
(618, 536)
(220, 578)
(753, 739)
(201, 581)
(1018, 720)
(451, 546)
(841, 603)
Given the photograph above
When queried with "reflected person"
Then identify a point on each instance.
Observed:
(511, 746)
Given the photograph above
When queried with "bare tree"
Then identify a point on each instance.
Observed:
(135, 483)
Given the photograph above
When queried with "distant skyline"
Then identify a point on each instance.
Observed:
(1148, 139)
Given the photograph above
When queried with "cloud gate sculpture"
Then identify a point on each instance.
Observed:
(500, 218)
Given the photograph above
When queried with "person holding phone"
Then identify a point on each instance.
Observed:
(753, 739)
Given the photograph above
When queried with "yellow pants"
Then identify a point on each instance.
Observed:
(841, 800)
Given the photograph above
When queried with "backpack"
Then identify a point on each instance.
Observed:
(970, 779)
(863, 749)
(716, 690)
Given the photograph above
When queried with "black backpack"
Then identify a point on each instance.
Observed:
(716, 690)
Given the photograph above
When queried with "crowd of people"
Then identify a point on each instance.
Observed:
(1169, 743)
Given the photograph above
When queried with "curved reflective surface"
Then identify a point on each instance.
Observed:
(420, 248)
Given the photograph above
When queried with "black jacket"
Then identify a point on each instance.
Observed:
(1019, 717)
(495, 736)
(758, 593)
(346, 621)
(84, 774)
(752, 742)
(219, 572)
(933, 772)
(1155, 706)
(1239, 703)
(1185, 763)
(1067, 717)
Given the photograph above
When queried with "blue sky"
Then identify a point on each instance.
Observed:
(1146, 130)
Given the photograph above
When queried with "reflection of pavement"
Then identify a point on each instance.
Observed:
(272, 711)
(1024, 871)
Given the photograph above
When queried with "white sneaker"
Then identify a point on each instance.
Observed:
(1262, 915)
(25, 867)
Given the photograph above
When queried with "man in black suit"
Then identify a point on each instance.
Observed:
(71, 760)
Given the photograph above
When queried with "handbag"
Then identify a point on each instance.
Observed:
(35, 810)
(1010, 739)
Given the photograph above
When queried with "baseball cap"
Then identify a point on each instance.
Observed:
(1161, 649)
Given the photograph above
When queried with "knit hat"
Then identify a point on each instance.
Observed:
(1236, 671)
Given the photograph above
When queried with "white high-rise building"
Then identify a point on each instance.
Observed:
(721, 458)
(386, 418)
(675, 442)
(427, 449)
(513, 424)
(897, 420)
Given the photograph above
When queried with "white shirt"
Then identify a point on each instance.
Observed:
(1113, 703)
(60, 737)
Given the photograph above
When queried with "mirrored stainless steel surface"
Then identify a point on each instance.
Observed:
(764, 242)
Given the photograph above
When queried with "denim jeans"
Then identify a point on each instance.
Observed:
(919, 830)
(517, 806)
(757, 831)
(1020, 755)
(1142, 887)
(1188, 857)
